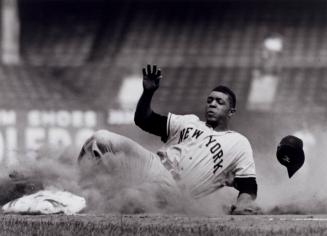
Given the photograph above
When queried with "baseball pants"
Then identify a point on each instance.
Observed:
(120, 154)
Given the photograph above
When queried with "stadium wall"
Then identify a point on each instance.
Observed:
(76, 55)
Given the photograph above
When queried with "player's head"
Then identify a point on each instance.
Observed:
(229, 92)
(220, 106)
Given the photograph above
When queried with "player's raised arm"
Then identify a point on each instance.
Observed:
(144, 116)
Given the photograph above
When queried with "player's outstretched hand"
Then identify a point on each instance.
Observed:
(151, 78)
(249, 209)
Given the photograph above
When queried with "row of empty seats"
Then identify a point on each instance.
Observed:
(302, 90)
(59, 33)
(207, 33)
(183, 89)
(77, 53)
(24, 87)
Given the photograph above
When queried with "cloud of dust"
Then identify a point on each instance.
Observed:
(305, 192)
(114, 187)
(120, 188)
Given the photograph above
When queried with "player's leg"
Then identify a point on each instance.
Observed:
(104, 142)
(118, 152)
(126, 165)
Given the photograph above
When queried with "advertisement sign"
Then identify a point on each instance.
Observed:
(24, 132)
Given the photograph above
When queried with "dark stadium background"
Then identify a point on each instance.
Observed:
(72, 58)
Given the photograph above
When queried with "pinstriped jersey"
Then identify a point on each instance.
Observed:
(203, 160)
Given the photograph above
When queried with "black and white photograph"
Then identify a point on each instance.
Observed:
(163, 117)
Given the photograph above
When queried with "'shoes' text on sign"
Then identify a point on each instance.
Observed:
(26, 131)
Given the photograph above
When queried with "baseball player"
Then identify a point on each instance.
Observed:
(199, 157)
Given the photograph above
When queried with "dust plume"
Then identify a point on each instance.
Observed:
(113, 187)
(121, 189)
(305, 192)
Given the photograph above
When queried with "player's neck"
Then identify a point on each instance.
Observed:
(222, 126)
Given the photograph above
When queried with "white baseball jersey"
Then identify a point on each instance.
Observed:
(203, 160)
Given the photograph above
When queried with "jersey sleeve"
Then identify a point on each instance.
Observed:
(245, 166)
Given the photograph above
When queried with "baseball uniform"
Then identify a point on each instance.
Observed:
(203, 160)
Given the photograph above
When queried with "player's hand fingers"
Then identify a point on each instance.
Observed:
(154, 69)
(148, 67)
(144, 72)
(158, 73)
(246, 211)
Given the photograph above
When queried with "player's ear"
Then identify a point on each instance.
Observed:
(231, 112)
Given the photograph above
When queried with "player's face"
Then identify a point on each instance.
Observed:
(218, 108)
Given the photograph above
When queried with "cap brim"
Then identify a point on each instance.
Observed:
(292, 169)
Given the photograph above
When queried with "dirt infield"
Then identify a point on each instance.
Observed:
(163, 225)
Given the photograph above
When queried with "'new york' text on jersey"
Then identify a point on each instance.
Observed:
(202, 159)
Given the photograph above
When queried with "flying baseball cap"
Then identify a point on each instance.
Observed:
(290, 153)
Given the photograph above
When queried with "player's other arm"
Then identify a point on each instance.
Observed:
(144, 116)
(245, 182)
(246, 186)
(245, 204)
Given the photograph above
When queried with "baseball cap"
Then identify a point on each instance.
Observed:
(290, 154)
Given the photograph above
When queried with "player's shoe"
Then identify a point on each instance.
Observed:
(91, 150)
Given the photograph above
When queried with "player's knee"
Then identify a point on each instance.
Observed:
(98, 145)
(102, 135)
(108, 138)
(104, 140)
